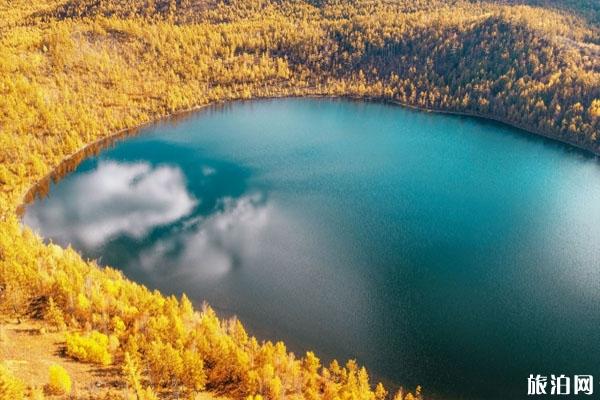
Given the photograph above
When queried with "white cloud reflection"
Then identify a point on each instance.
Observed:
(211, 246)
(113, 199)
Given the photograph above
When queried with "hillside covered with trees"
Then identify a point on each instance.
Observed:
(76, 71)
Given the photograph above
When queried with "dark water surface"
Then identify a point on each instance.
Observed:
(445, 251)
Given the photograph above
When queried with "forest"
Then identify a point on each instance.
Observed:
(74, 72)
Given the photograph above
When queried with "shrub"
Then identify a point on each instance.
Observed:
(10, 387)
(147, 394)
(92, 348)
(36, 394)
(59, 382)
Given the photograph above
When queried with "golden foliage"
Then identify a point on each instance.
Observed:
(133, 377)
(10, 387)
(594, 109)
(74, 72)
(55, 316)
(93, 347)
(59, 381)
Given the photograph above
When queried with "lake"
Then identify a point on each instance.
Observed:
(445, 251)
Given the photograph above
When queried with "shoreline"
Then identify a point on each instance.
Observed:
(73, 160)
(531, 130)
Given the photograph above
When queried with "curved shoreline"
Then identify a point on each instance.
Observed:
(73, 160)
(528, 129)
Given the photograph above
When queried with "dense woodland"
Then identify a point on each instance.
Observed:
(75, 71)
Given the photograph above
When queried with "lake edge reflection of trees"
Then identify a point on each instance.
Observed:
(75, 71)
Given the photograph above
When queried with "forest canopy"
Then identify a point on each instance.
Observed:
(76, 71)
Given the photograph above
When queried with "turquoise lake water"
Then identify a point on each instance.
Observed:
(445, 251)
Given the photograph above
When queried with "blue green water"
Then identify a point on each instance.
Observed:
(450, 252)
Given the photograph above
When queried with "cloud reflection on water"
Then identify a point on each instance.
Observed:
(212, 245)
(111, 200)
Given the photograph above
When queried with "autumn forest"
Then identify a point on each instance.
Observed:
(77, 71)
